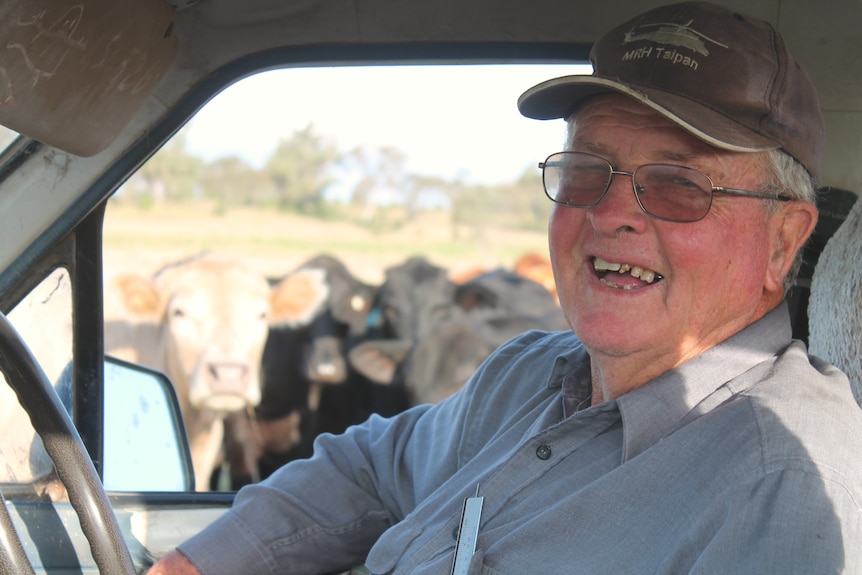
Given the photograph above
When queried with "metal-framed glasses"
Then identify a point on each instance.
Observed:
(663, 191)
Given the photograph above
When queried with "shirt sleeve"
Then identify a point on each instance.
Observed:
(325, 513)
(787, 522)
(320, 514)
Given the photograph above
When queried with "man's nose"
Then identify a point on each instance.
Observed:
(619, 208)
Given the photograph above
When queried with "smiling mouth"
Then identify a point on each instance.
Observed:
(624, 276)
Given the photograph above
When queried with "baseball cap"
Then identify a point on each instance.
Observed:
(724, 76)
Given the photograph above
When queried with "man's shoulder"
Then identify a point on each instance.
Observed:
(804, 390)
(806, 415)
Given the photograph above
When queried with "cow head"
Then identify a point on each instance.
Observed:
(437, 332)
(330, 305)
(415, 296)
(208, 319)
(215, 322)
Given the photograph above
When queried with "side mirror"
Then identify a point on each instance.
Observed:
(145, 447)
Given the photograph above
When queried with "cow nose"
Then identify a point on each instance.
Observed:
(325, 363)
(229, 377)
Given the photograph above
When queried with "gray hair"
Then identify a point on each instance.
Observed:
(787, 177)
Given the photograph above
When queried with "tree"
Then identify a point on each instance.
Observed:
(380, 179)
(231, 182)
(527, 203)
(383, 180)
(171, 174)
(299, 171)
(473, 206)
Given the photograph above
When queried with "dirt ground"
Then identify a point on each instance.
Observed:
(143, 240)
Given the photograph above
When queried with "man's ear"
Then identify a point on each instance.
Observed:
(793, 225)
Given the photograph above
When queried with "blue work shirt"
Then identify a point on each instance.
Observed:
(745, 459)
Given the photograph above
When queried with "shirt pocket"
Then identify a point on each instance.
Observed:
(390, 547)
(478, 567)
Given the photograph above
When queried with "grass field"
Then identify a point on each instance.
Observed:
(275, 243)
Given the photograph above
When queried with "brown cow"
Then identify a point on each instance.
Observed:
(531, 265)
(204, 322)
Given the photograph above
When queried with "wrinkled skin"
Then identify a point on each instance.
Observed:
(718, 275)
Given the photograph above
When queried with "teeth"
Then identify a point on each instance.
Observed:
(645, 275)
(601, 265)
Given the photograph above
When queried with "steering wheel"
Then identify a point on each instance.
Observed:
(71, 460)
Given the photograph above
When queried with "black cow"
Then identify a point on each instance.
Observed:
(415, 296)
(242, 448)
(308, 387)
(430, 335)
(439, 332)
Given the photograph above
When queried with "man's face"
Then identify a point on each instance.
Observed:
(713, 277)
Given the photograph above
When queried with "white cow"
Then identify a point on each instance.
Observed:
(203, 321)
(835, 304)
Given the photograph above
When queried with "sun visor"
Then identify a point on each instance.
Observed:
(73, 73)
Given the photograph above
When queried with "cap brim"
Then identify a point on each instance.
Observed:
(560, 97)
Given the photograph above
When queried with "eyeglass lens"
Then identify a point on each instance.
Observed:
(664, 191)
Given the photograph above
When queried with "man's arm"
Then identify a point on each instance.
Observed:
(791, 521)
(358, 484)
(326, 512)
(174, 563)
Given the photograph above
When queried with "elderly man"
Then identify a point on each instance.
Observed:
(677, 428)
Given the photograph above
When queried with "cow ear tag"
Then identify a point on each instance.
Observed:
(468, 533)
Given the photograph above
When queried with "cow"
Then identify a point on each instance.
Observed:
(414, 296)
(537, 267)
(442, 361)
(530, 265)
(436, 333)
(308, 386)
(413, 299)
(203, 321)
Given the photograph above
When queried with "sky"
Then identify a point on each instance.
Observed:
(455, 121)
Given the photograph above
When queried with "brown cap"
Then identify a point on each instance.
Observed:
(723, 76)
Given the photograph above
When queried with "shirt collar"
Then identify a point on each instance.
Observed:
(571, 372)
(656, 409)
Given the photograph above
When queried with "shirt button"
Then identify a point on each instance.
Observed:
(543, 452)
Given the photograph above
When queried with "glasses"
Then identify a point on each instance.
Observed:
(663, 191)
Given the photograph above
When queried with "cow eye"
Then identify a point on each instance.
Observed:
(178, 312)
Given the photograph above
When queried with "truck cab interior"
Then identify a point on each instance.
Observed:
(90, 90)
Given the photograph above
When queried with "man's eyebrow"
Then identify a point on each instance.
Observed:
(677, 157)
(592, 147)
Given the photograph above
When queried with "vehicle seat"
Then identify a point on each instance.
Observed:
(835, 302)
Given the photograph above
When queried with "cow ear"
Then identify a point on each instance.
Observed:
(138, 295)
(297, 298)
(378, 360)
(473, 295)
(353, 308)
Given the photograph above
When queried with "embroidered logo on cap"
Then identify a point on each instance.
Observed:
(669, 34)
